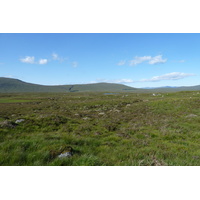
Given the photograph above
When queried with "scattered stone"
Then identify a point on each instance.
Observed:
(154, 94)
(115, 110)
(19, 121)
(67, 153)
(191, 115)
(102, 113)
(86, 118)
(7, 124)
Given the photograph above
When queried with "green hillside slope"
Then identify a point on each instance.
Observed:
(9, 85)
(102, 87)
(175, 89)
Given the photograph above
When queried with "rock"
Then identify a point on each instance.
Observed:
(86, 118)
(191, 115)
(101, 113)
(19, 121)
(7, 124)
(65, 155)
(68, 152)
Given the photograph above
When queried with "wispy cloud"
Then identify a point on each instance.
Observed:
(115, 81)
(137, 60)
(43, 61)
(55, 56)
(123, 81)
(32, 60)
(151, 60)
(74, 64)
(28, 59)
(121, 62)
(179, 61)
(170, 76)
(157, 60)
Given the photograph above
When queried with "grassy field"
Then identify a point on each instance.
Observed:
(114, 129)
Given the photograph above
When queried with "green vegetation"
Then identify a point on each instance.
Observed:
(114, 129)
(8, 85)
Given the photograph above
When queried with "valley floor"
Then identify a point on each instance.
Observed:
(112, 129)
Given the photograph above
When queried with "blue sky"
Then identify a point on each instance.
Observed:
(137, 60)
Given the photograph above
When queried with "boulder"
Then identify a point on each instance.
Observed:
(68, 152)
(19, 121)
(7, 124)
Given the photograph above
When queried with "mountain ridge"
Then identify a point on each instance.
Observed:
(11, 85)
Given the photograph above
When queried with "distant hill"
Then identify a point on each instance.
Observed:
(9, 85)
(173, 89)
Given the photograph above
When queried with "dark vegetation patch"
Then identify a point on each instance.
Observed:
(119, 129)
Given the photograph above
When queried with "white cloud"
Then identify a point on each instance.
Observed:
(55, 56)
(156, 60)
(151, 60)
(139, 60)
(121, 62)
(170, 76)
(181, 61)
(43, 61)
(178, 61)
(114, 81)
(28, 59)
(74, 64)
(123, 81)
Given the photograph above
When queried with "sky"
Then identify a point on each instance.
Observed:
(134, 59)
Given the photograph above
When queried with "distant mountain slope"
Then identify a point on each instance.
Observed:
(173, 89)
(101, 87)
(9, 85)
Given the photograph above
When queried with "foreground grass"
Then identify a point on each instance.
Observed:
(115, 129)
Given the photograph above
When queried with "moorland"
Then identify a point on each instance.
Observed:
(100, 129)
